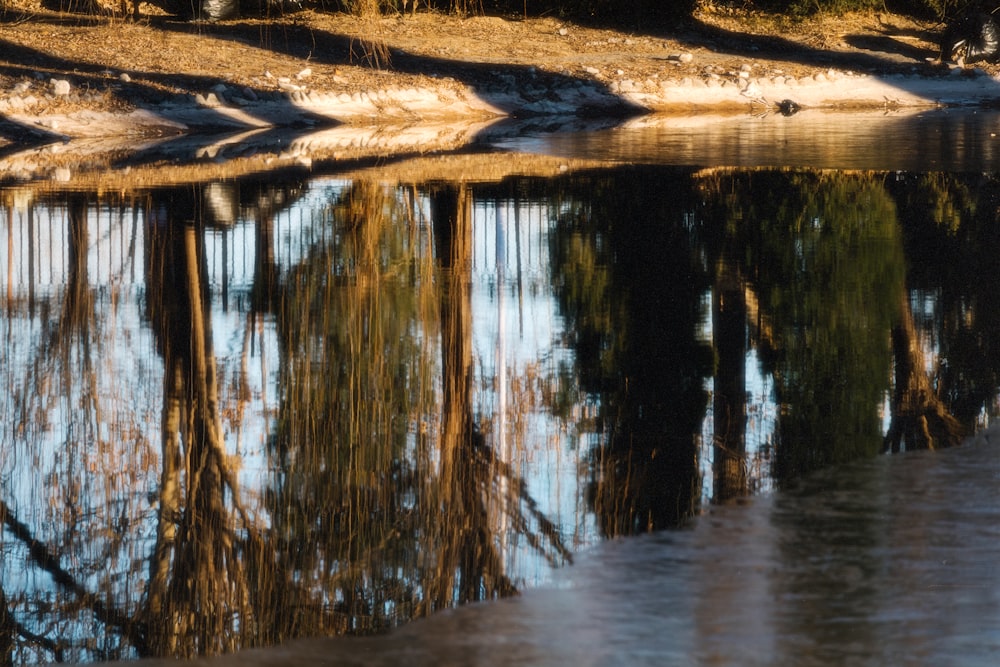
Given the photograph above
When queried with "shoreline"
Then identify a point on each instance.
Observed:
(79, 97)
(227, 111)
(65, 77)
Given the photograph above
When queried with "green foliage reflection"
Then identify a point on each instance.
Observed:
(825, 254)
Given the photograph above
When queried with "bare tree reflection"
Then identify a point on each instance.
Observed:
(463, 529)
(7, 631)
(198, 599)
(405, 515)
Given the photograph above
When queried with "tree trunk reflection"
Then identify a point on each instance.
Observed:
(729, 398)
(197, 599)
(468, 550)
(920, 420)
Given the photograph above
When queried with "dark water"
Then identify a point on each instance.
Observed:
(652, 399)
(873, 564)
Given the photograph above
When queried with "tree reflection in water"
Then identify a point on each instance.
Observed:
(387, 492)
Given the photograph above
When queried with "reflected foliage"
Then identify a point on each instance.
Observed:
(353, 375)
(951, 236)
(243, 412)
(824, 254)
(630, 281)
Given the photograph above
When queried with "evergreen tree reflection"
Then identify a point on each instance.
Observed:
(951, 237)
(825, 253)
(630, 281)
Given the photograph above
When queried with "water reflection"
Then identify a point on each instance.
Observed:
(247, 411)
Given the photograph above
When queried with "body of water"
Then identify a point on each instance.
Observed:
(704, 397)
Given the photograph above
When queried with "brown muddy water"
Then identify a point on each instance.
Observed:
(655, 402)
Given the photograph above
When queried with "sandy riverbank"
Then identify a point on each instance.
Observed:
(64, 77)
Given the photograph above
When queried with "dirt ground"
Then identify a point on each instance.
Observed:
(112, 62)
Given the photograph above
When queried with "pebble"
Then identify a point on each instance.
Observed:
(752, 91)
(304, 74)
(209, 100)
(593, 71)
(124, 77)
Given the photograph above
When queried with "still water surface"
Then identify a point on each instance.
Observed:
(306, 404)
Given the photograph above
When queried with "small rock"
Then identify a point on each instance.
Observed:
(304, 74)
(788, 107)
(124, 77)
(746, 67)
(288, 86)
(563, 32)
(752, 91)
(209, 100)
(249, 94)
(593, 71)
(22, 87)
